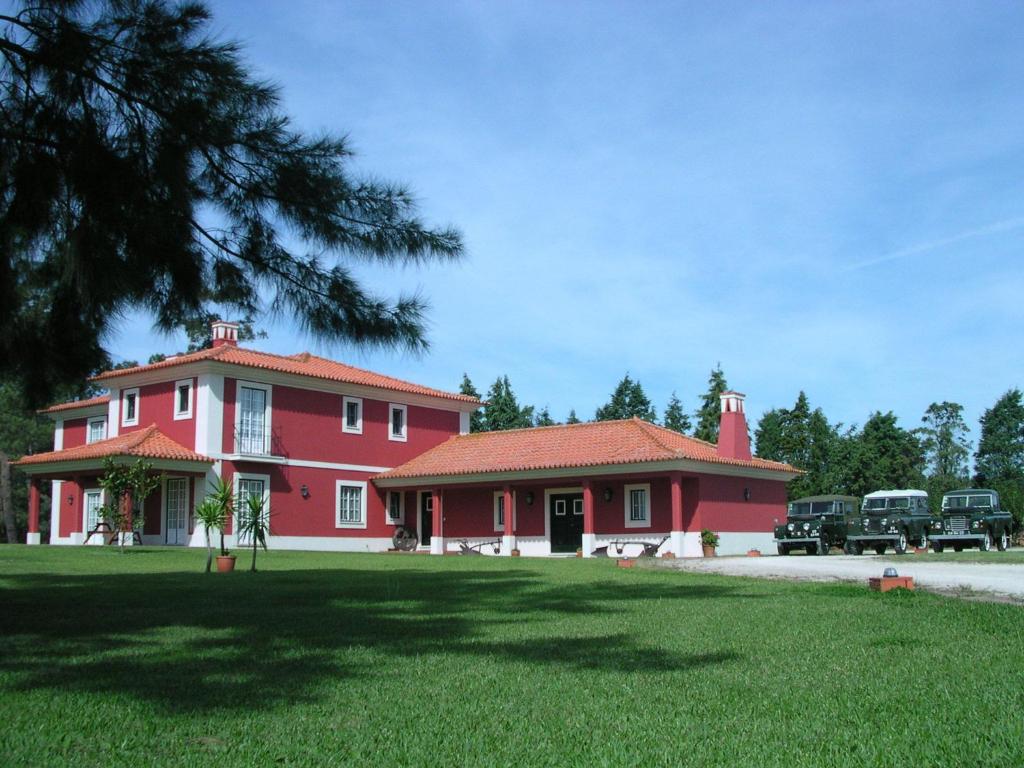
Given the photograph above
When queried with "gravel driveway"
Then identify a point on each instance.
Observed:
(997, 579)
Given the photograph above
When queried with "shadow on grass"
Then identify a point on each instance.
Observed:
(191, 642)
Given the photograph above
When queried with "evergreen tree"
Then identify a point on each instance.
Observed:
(999, 462)
(675, 417)
(884, 456)
(142, 167)
(476, 419)
(199, 330)
(628, 400)
(503, 411)
(1000, 453)
(573, 418)
(709, 414)
(803, 438)
(544, 419)
(946, 448)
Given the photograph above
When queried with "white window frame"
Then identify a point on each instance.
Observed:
(86, 492)
(627, 502)
(125, 422)
(186, 414)
(345, 426)
(361, 485)
(235, 484)
(267, 411)
(400, 520)
(165, 518)
(404, 436)
(499, 513)
(102, 420)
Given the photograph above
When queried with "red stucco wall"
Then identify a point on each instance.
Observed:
(722, 507)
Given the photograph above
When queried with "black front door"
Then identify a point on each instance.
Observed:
(426, 518)
(566, 522)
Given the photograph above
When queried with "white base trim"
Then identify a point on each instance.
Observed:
(437, 545)
(737, 543)
(508, 543)
(33, 538)
(691, 545)
(533, 546)
(630, 550)
(589, 544)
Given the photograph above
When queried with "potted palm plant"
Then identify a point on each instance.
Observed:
(211, 515)
(222, 497)
(708, 542)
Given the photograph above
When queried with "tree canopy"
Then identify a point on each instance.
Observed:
(476, 419)
(503, 411)
(709, 413)
(627, 401)
(675, 417)
(142, 167)
(1001, 446)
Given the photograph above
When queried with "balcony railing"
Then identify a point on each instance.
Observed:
(257, 442)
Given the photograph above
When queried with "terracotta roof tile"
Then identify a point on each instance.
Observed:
(302, 364)
(76, 404)
(148, 443)
(631, 441)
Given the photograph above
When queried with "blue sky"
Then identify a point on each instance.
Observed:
(819, 196)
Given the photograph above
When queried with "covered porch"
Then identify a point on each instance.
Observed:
(77, 498)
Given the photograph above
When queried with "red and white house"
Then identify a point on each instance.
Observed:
(342, 456)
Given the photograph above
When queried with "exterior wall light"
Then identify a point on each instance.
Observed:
(304, 490)
(608, 494)
(746, 494)
(529, 497)
(71, 499)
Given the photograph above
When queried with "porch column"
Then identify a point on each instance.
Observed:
(676, 539)
(509, 542)
(125, 534)
(691, 527)
(589, 537)
(33, 512)
(437, 532)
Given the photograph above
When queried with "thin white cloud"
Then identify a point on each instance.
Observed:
(932, 245)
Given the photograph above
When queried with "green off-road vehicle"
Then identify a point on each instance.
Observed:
(815, 524)
(972, 518)
(894, 519)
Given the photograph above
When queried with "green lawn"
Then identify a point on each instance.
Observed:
(320, 659)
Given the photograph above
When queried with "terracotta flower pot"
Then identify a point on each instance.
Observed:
(225, 563)
(709, 551)
(515, 553)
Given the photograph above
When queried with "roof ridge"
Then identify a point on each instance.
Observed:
(547, 426)
(645, 426)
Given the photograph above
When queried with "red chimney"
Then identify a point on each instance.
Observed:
(733, 441)
(224, 333)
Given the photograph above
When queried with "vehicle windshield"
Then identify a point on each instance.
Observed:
(810, 508)
(963, 502)
(886, 502)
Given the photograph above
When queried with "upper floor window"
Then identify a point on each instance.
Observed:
(130, 407)
(397, 422)
(638, 506)
(352, 415)
(183, 399)
(350, 504)
(252, 420)
(96, 429)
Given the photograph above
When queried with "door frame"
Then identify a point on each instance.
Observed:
(266, 502)
(548, 493)
(165, 528)
(85, 506)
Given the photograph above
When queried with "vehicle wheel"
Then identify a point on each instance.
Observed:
(901, 544)
(937, 546)
(986, 543)
(823, 546)
(924, 540)
(810, 549)
(1004, 541)
(958, 547)
(783, 550)
(879, 549)
(858, 548)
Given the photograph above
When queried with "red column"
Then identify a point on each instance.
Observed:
(509, 512)
(33, 506)
(437, 534)
(676, 479)
(588, 507)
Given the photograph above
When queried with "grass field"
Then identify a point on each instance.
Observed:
(319, 659)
